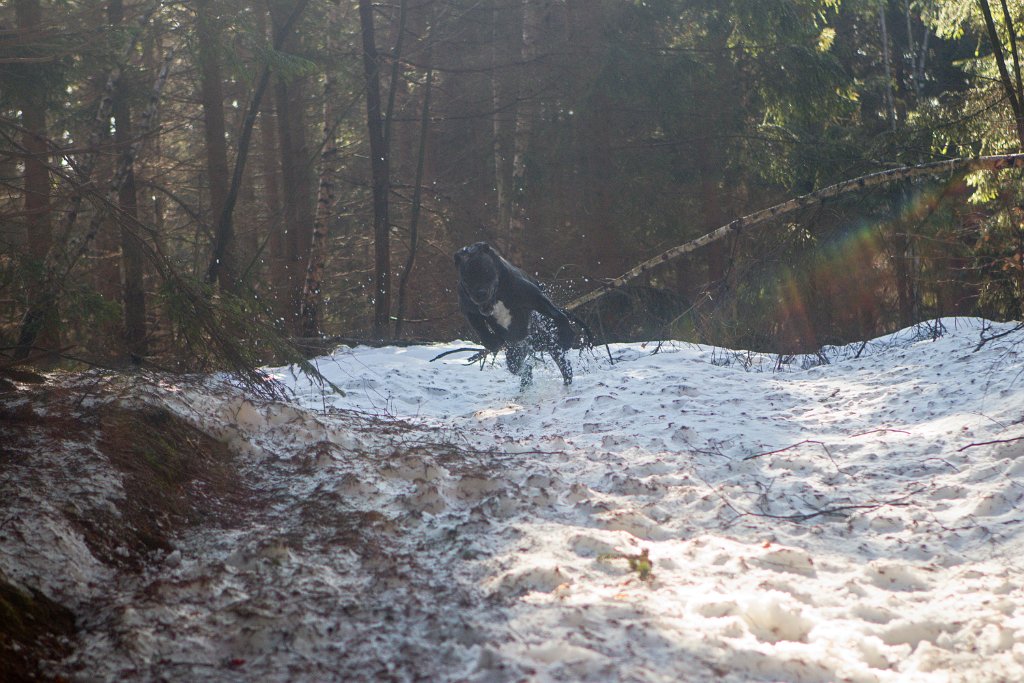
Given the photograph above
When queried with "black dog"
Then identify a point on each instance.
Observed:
(507, 308)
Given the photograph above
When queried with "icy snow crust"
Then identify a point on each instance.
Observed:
(861, 520)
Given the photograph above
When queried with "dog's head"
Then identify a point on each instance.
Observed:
(479, 269)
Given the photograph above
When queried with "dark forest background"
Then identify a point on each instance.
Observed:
(189, 184)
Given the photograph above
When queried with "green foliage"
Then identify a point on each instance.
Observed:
(640, 563)
(232, 333)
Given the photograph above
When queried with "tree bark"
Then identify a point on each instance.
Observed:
(38, 219)
(417, 196)
(380, 174)
(224, 232)
(133, 292)
(298, 193)
(270, 171)
(310, 324)
(211, 94)
(501, 126)
(526, 113)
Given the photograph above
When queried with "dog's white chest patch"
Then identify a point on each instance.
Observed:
(501, 314)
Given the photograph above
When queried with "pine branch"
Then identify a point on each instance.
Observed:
(1004, 75)
(56, 273)
(87, 162)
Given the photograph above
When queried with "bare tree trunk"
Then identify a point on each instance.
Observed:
(905, 271)
(526, 113)
(990, 163)
(380, 174)
(297, 186)
(224, 231)
(1012, 31)
(133, 292)
(270, 170)
(38, 225)
(501, 122)
(890, 102)
(211, 94)
(297, 180)
(312, 298)
(417, 195)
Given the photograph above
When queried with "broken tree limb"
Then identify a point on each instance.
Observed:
(997, 162)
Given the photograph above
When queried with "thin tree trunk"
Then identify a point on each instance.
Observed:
(270, 171)
(1012, 31)
(38, 225)
(211, 95)
(133, 292)
(526, 113)
(417, 195)
(224, 233)
(312, 298)
(380, 174)
(501, 123)
(298, 193)
(890, 101)
(989, 163)
(396, 72)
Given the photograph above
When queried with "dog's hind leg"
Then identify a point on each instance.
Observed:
(561, 360)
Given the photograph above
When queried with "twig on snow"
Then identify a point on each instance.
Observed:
(464, 349)
(878, 431)
(985, 340)
(804, 516)
(790, 447)
(989, 443)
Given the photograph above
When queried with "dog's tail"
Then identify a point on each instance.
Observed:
(587, 334)
(589, 341)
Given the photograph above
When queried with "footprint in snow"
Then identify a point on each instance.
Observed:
(534, 579)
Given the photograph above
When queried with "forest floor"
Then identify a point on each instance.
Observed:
(684, 513)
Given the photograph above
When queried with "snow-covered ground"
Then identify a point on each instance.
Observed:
(686, 513)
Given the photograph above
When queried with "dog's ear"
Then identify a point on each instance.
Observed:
(460, 256)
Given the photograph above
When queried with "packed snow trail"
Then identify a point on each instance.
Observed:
(861, 520)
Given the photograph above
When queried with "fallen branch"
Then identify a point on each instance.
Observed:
(985, 340)
(988, 163)
(39, 354)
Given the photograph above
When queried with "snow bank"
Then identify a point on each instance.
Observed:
(858, 520)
